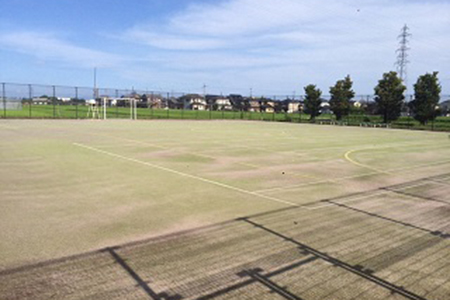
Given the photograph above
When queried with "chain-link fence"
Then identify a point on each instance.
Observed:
(70, 102)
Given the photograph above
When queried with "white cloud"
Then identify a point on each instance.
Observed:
(173, 42)
(285, 40)
(46, 46)
(278, 45)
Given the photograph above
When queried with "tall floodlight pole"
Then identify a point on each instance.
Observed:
(95, 83)
(4, 99)
(402, 53)
(204, 96)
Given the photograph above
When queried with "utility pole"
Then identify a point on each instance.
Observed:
(402, 53)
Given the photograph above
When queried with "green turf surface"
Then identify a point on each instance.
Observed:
(73, 186)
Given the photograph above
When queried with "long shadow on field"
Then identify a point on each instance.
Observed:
(71, 273)
(366, 274)
(440, 234)
(151, 293)
(256, 275)
(254, 279)
(415, 195)
(135, 243)
(395, 188)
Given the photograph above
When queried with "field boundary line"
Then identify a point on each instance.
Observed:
(348, 158)
(293, 187)
(223, 185)
(253, 166)
(391, 172)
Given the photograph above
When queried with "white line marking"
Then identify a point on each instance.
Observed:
(348, 158)
(291, 187)
(186, 175)
(396, 170)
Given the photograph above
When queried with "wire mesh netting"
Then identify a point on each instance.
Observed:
(65, 102)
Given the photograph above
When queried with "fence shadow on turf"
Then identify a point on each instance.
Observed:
(123, 270)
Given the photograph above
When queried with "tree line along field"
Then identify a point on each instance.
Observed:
(81, 112)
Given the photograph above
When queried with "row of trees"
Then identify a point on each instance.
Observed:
(389, 98)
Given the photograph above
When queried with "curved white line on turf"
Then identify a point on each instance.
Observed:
(348, 158)
(186, 175)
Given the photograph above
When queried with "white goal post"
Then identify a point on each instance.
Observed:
(104, 108)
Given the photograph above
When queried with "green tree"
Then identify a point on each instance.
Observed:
(426, 98)
(389, 96)
(341, 94)
(312, 101)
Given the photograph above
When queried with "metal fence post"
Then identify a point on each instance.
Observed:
(168, 105)
(76, 102)
(131, 109)
(30, 100)
(4, 99)
(182, 109)
(117, 108)
(54, 101)
(152, 103)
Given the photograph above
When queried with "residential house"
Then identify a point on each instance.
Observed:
(288, 106)
(65, 100)
(445, 108)
(293, 107)
(325, 107)
(254, 105)
(41, 101)
(357, 104)
(155, 101)
(267, 106)
(193, 102)
(124, 101)
(239, 103)
(219, 102)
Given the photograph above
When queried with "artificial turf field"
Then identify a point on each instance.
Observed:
(123, 209)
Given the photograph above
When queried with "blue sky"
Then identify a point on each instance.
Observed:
(275, 47)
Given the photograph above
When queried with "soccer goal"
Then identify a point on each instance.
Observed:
(112, 108)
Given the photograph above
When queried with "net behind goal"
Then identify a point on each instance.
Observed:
(107, 108)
